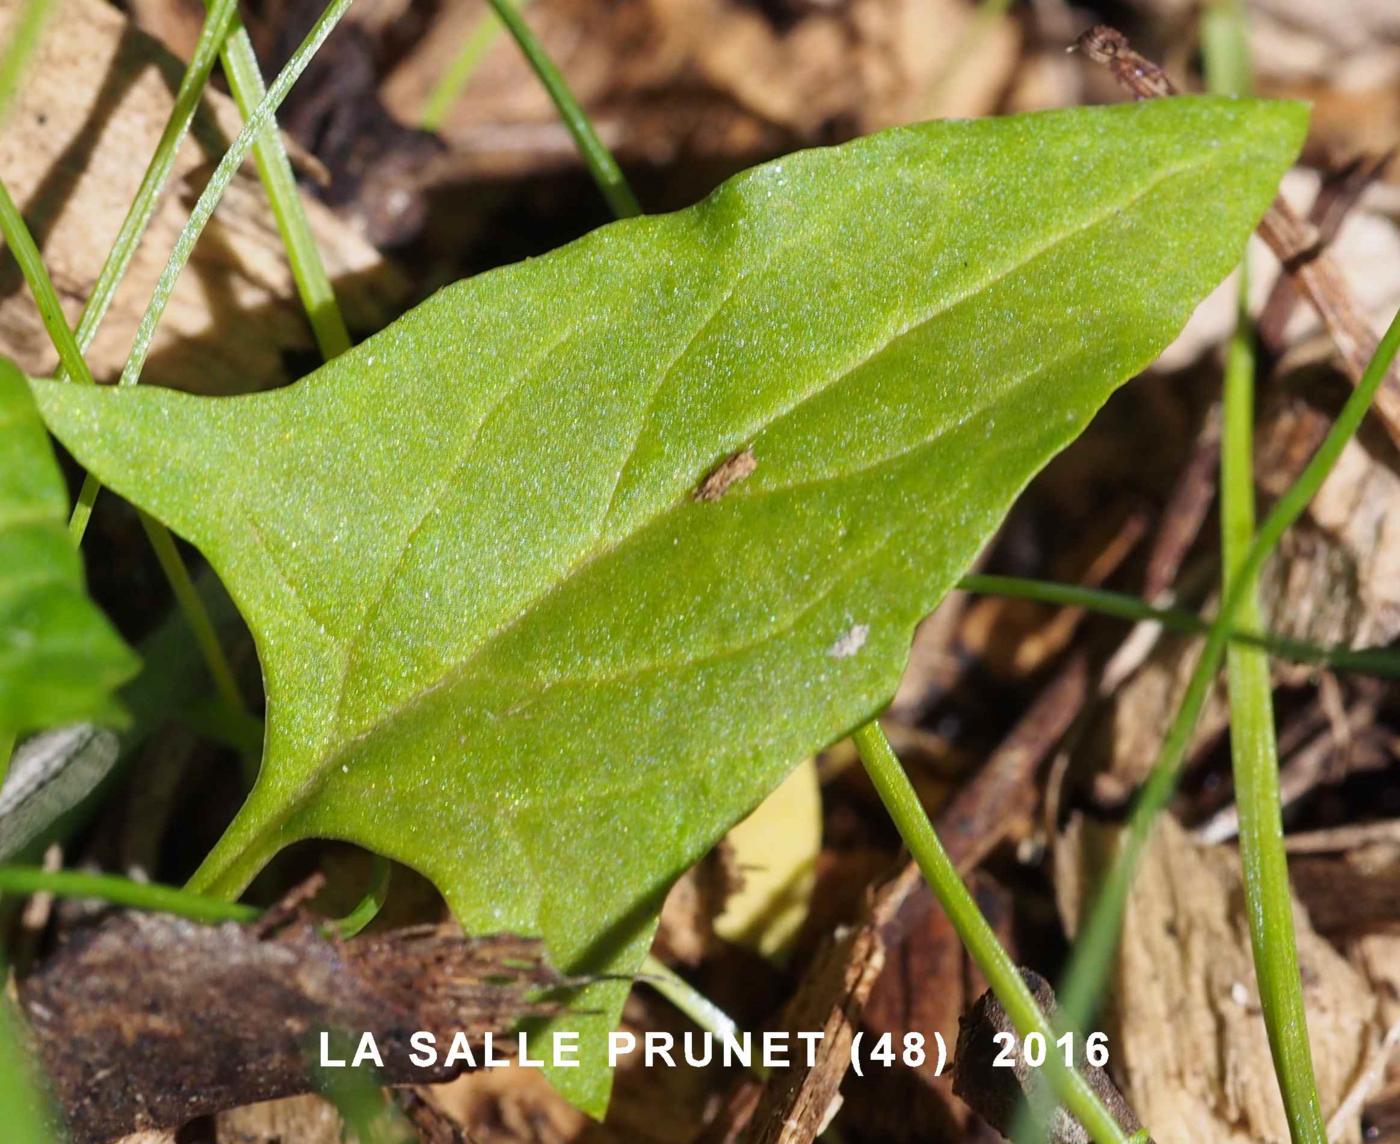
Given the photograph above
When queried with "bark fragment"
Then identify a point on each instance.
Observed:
(146, 1021)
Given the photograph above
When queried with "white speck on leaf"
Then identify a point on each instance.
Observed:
(850, 643)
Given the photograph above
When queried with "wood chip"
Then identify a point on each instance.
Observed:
(1185, 1030)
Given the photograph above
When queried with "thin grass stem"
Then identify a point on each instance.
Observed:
(1098, 939)
(1254, 755)
(1382, 662)
(902, 803)
(217, 23)
(253, 128)
(275, 170)
(454, 80)
(25, 32)
(123, 892)
(598, 159)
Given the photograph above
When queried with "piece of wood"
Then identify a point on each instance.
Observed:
(1185, 1030)
(147, 1021)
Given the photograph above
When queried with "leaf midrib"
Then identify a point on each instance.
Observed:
(340, 752)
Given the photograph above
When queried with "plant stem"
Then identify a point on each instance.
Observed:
(685, 997)
(196, 615)
(902, 803)
(1254, 754)
(1119, 605)
(1098, 937)
(31, 264)
(123, 892)
(1253, 747)
(257, 121)
(454, 81)
(381, 871)
(599, 160)
(275, 169)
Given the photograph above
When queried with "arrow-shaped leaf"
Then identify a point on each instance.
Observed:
(60, 660)
(506, 642)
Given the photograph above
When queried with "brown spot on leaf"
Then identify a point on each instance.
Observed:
(727, 473)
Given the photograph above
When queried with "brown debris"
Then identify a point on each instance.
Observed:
(1186, 509)
(726, 475)
(998, 1093)
(1185, 1030)
(88, 115)
(837, 986)
(1338, 196)
(706, 80)
(1108, 46)
(796, 1104)
(171, 1001)
(1296, 243)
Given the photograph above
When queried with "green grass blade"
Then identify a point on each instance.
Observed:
(1254, 753)
(1119, 605)
(219, 19)
(36, 275)
(254, 128)
(275, 169)
(977, 937)
(121, 891)
(599, 160)
(368, 907)
(25, 31)
(454, 80)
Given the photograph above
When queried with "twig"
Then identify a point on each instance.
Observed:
(1297, 244)
(1349, 1111)
(1338, 838)
(1338, 196)
(1186, 510)
(170, 1000)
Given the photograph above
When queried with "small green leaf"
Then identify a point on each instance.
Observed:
(59, 657)
(504, 640)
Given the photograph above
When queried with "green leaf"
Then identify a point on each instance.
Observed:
(506, 644)
(59, 657)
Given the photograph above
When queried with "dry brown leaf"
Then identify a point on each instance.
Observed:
(1350, 44)
(713, 77)
(96, 97)
(1184, 1023)
(305, 1119)
(509, 1106)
